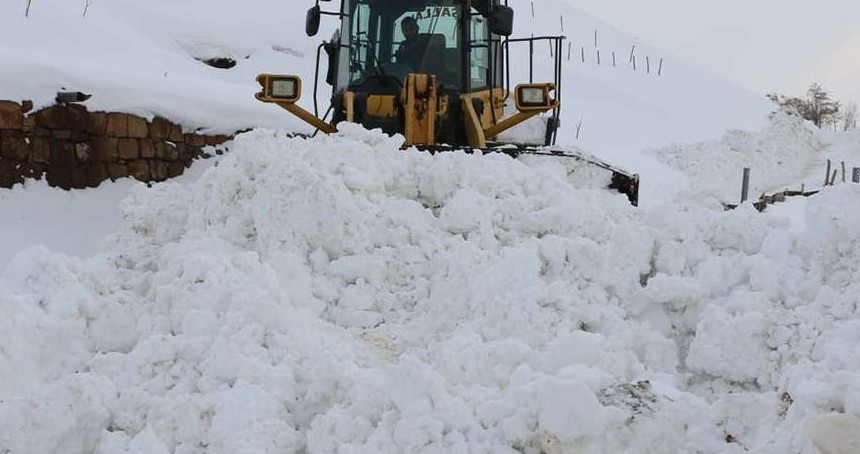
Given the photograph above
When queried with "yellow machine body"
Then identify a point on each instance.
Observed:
(421, 107)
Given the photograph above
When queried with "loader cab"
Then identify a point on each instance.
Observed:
(435, 71)
(453, 42)
(373, 54)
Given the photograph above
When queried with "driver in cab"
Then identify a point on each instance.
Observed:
(411, 50)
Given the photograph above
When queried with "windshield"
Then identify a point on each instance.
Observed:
(394, 39)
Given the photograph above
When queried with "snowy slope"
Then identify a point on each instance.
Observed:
(140, 57)
(622, 110)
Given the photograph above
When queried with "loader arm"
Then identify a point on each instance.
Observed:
(531, 100)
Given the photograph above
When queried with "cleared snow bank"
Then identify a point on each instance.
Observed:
(778, 157)
(356, 298)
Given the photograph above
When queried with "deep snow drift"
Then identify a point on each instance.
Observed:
(373, 300)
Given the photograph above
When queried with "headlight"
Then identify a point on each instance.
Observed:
(284, 88)
(279, 88)
(534, 97)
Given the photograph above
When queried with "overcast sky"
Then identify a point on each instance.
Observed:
(766, 45)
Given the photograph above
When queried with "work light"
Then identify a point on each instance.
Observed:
(279, 88)
(534, 97)
(284, 88)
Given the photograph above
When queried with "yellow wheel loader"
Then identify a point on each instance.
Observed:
(435, 71)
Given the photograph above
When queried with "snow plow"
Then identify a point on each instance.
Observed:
(438, 72)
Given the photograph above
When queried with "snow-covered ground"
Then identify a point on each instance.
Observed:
(374, 300)
(341, 295)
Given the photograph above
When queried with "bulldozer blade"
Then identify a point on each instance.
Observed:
(622, 181)
(626, 184)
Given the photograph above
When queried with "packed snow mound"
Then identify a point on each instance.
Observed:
(778, 157)
(357, 298)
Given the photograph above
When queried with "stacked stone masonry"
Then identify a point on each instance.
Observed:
(74, 149)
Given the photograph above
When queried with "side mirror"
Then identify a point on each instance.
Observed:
(502, 20)
(312, 22)
(332, 50)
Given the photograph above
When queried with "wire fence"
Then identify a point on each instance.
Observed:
(635, 61)
(849, 174)
(593, 53)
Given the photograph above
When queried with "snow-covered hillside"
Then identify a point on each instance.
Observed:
(622, 110)
(140, 57)
(340, 295)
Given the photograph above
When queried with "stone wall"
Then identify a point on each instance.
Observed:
(74, 149)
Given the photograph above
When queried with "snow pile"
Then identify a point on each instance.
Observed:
(356, 298)
(339, 295)
(767, 309)
(778, 157)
